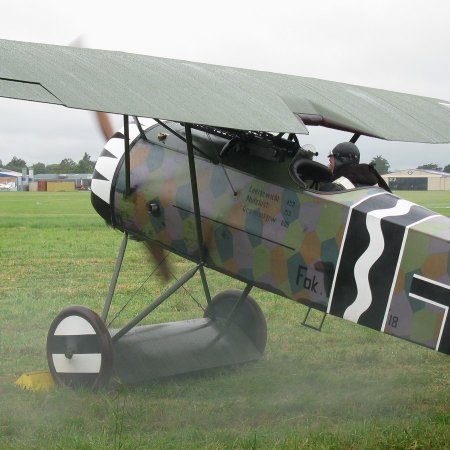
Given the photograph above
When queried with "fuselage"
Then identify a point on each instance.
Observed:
(365, 255)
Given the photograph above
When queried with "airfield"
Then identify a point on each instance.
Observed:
(346, 387)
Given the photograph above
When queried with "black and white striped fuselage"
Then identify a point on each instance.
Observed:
(374, 238)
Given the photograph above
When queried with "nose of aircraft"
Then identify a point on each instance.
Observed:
(102, 178)
(106, 168)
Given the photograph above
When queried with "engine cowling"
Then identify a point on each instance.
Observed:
(106, 169)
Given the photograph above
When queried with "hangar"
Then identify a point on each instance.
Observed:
(418, 180)
(10, 180)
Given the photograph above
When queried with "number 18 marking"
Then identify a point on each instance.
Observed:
(393, 321)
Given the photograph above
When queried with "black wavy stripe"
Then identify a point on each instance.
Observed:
(381, 274)
(355, 245)
(415, 214)
(384, 201)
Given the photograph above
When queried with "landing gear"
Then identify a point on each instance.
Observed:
(247, 315)
(79, 349)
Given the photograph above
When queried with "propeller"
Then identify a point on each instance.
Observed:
(156, 253)
(158, 256)
(105, 124)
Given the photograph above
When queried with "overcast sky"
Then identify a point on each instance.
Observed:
(401, 45)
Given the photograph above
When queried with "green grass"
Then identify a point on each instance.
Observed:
(438, 201)
(347, 387)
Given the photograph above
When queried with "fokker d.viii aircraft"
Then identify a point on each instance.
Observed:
(212, 169)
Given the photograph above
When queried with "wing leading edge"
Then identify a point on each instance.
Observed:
(219, 96)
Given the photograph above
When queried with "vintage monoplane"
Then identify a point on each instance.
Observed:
(212, 169)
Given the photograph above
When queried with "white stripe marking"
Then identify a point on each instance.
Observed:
(428, 280)
(444, 319)
(102, 189)
(74, 326)
(106, 166)
(344, 182)
(344, 237)
(115, 146)
(370, 256)
(79, 363)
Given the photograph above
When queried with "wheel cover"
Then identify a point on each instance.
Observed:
(79, 349)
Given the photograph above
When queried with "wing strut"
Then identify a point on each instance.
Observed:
(115, 277)
(141, 131)
(194, 187)
(196, 203)
(126, 129)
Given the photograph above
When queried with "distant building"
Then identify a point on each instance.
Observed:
(16, 181)
(80, 179)
(60, 182)
(10, 180)
(418, 180)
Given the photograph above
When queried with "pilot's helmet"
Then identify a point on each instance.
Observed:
(345, 153)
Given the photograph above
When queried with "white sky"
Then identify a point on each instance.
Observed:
(401, 45)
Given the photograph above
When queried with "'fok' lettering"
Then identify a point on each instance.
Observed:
(306, 282)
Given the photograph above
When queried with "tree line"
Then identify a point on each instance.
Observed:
(86, 165)
(67, 165)
(382, 165)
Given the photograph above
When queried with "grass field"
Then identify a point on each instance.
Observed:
(346, 387)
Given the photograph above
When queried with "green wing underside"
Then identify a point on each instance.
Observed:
(219, 96)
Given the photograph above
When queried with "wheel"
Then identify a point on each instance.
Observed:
(248, 317)
(79, 349)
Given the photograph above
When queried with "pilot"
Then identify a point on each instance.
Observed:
(348, 173)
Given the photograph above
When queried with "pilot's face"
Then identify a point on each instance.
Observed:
(332, 163)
